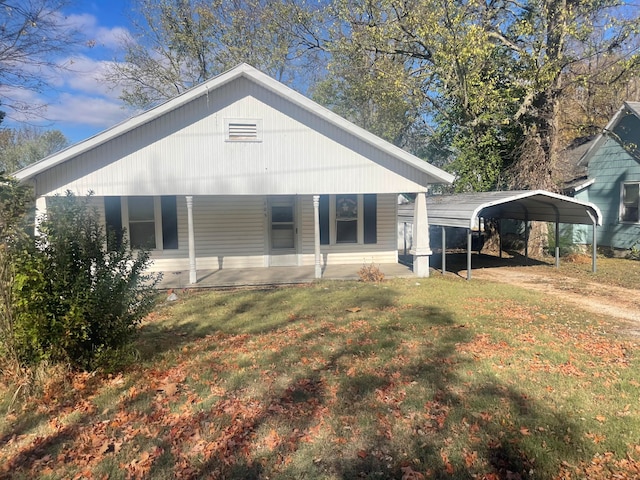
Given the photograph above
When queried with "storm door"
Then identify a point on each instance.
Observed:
(283, 231)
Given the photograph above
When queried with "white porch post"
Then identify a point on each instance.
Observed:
(41, 211)
(316, 235)
(192, 241)
(421, 249)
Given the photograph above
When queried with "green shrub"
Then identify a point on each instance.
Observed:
(77, 302)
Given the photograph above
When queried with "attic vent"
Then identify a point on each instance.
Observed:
(243, 130)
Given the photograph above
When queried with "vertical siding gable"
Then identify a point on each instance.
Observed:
(185, 152)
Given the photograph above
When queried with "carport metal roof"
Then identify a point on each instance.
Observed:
(464, 210)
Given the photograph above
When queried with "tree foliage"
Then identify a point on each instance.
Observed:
(23, 146)
(75, 301)
(180, 43)
(34, 34)
(493, 73)
(16, 201)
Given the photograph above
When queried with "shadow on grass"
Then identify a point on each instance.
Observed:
(358, 385)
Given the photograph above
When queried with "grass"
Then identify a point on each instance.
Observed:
(437, 378)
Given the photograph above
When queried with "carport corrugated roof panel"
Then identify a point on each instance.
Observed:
(538, 205)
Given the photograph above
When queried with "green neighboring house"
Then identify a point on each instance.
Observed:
(613, 179)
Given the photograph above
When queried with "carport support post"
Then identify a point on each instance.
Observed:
(444, 251)
(193, 278)
(316, 236)
(594, 243)
(469, 241)
(421, 249)
(557, 244)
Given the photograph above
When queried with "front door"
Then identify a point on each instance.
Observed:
(283, 231)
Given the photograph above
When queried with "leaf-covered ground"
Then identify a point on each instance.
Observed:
(437, 378)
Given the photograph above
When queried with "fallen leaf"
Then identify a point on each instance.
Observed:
(600, 418)
(353, 309)
(409, 473)
(362, 454)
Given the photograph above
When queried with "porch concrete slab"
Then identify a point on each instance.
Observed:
(236, 277)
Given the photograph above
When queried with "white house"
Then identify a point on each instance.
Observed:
(242, 171)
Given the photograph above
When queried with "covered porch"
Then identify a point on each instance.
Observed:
(226, 278)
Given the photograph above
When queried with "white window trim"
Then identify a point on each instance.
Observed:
(256, 121)
(157, 218)
(333, 225)
(621, 207)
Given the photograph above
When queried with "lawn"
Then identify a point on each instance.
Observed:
(408, 379)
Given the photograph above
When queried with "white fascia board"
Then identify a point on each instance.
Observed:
(584, 185)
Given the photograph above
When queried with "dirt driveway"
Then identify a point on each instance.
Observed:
(609, 300)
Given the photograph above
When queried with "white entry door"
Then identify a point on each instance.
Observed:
(283, 231)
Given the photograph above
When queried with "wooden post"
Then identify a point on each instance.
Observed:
(193, 278)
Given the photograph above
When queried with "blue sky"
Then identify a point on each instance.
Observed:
(78, 103)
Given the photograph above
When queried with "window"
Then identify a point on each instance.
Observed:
(630, 205)
(142, 223)
(346, 219)
(152, 222)
(243, 130)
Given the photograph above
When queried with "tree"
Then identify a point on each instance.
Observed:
(16, 201)
(493, 73)
(373, 91)
(33, 36)
(180, 43)
(25, 145)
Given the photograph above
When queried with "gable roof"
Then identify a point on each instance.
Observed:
(627, 107)
(241, 71)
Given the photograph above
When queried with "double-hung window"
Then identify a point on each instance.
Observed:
(630, 202)
(348, 219)
(151, 222)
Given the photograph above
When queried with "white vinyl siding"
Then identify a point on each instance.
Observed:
(185, 152)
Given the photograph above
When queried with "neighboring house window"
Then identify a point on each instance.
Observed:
(142, 222)
(348, 219)
(243, 130)
(630, 205)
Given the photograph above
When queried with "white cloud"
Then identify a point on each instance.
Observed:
(85, 110)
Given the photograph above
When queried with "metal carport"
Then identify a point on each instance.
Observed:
(464, 211)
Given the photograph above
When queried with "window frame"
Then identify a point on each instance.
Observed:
(623, 205)
(332, 222)
(157, 222)
(157, 219)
